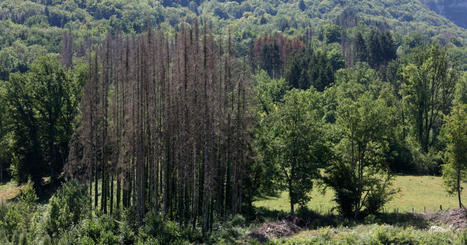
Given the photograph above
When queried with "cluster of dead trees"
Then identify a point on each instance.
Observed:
(164, 126)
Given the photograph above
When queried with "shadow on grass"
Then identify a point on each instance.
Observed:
(403, 219)
(306, 218)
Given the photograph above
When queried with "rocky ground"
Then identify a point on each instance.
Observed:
(455, 218)
(276, 229)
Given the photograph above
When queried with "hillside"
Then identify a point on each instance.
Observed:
(36, 23)
(454, 10)
(33, 28)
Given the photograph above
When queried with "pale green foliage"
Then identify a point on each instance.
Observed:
(455, 130)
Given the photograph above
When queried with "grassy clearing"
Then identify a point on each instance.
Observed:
(415, 192)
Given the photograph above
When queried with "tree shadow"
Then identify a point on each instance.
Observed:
(403, 220)
(310, 219)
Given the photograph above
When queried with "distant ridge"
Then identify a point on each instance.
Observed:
(454, 10)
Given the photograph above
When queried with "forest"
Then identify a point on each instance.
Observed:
(232, 122)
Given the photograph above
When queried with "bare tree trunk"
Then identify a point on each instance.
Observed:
(175, 136)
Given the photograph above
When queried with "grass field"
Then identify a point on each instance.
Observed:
(416, 192)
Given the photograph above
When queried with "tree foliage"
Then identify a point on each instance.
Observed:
(42, 105)
(455, 170)
(311, 68)
(358, 173)
(428, 91)
(298, 147)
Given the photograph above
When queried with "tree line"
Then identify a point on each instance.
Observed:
(170, 123)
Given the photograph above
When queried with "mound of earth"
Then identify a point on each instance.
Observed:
(276, 229)
(455, 218)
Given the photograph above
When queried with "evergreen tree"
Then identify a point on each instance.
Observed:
(361, 51)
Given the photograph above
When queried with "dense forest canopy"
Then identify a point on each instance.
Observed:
(33, 28)
(164, 121)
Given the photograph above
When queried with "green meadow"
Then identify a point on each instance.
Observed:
(418, 192)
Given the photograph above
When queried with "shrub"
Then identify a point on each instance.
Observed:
(28, 195)
(229, 232)
(66, 208)
(11, 221)
(128, 227)
(165, 231)
(238, 220)
(15, 218)
(99, 230)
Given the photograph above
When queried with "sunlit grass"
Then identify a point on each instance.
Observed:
(9, 191)
(418, 192)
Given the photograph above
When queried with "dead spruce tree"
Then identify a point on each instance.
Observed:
(164, 126)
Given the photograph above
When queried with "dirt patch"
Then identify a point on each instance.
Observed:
(455, 218)
(276, 229)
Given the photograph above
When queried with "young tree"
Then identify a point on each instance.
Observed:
(361, 51)
(298, 146)
(296, 75)
(455, 132)
(358, 173)
(308, 68)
